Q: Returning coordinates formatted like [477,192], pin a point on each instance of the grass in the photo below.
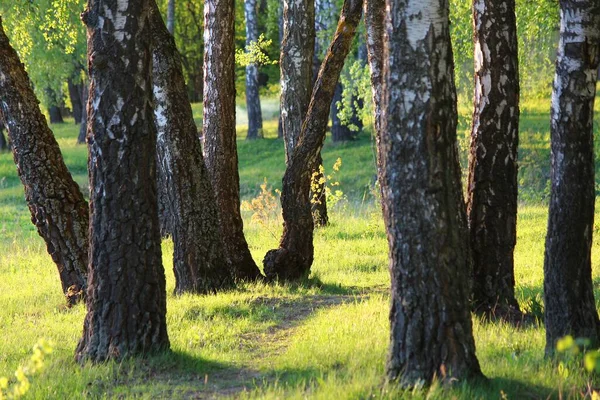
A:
[325,338]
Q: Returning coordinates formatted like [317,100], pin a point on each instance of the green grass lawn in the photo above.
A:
[326,338]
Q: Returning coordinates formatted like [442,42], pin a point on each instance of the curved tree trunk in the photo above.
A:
[57,206]
[294,257]
[492,190]
[219,132]
[424,212]
[374,25]
[297,50]
[199,259]
[255,122]
[568,289]
[84,114]
[126,297]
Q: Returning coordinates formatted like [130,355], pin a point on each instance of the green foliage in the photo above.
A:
[255,53]
[357,96]
[50,40]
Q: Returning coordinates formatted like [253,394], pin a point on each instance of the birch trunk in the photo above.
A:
[255,123]
[199,260]
[58,209]
[492,190]
[294,257]
[424,213]
[126,298]
[219,132]
[568,288]
[297,50]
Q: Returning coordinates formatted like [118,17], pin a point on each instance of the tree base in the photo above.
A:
[284,265]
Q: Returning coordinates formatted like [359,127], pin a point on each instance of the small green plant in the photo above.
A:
[255,53]
[331,194]
[16,387]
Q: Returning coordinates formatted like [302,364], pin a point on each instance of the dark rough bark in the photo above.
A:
[568,289]
[492,190]
[57,206]
[219,132]
[255,122]
[294,257]
[126,296]
[339,132]
[425,218]
[84,114]
[171,16]
[297,51]
[76,100]
[199,260]
[374,25]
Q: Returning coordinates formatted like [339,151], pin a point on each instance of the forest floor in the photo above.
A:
[324,338]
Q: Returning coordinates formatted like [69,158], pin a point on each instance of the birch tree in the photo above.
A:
[294,257]
[492,188]
[126,298]
[58,209]
[431,332]
[255,123]
[218,128]
[570,308]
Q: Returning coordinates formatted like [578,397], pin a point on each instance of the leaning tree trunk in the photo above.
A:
[219,132]
[84,122]
[424,212]
[199,259]
[294,257]
[126,296]
[297,50]
[374,26]
[255,122]
[492,188]
[76,100]
[57,206]
[568,289]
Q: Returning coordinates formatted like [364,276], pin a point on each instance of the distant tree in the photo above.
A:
[294,257]
[570,308]
[374,25]
[171,16]
[75,88]
[3,141]
[492,188]
[199,259]
[126,298]
[57,206]
[255,123]
[218,128]
[424,212]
